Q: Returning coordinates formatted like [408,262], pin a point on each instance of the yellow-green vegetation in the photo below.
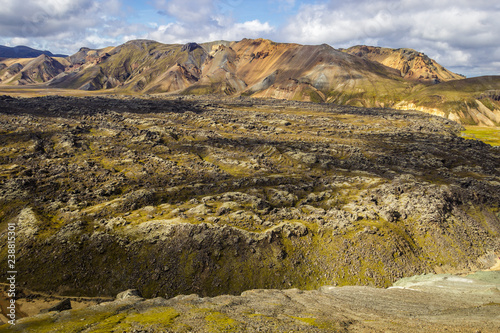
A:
[184,195]
[158,318]
[458,97]
[97,321]
[219,322]
[315,97]
[74,322]
[489,135]
[318,323]
[492,304]
[201,90]
[458,89]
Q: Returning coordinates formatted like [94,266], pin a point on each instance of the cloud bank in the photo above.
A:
[205,20]
[461,35]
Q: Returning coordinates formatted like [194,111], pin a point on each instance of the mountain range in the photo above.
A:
[24,52]
[360,76]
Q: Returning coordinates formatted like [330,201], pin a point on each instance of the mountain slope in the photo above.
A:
[24,52]
[38,70]
[360,76]
[413,65]
[252,67]
[473,101]
[304,72]
[135,66]
[41,69]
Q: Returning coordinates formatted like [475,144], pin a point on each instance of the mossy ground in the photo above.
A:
[146,190]
[489,135]
[96,321]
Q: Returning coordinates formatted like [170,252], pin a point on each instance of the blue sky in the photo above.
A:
[462,35]
[242,11]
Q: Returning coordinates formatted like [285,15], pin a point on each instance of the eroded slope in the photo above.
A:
[359,76]
[215,197]
[413,65]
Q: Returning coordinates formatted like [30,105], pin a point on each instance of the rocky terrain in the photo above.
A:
[412,64]
[217,196]
[359,76]
[430,303]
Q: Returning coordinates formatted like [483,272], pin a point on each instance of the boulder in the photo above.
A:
[129,294]
[61,306]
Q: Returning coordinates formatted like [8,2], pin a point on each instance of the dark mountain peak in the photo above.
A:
[22,51]
[190,47]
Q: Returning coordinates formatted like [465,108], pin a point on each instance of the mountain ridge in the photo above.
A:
[22,51]
[360,76]
[413,65]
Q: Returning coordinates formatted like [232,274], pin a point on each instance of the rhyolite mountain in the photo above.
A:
[412,64]
[360,76]
[182,195]
[38,70]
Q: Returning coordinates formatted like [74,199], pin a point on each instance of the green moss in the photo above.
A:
[200,90]
[162,317]
[479,215]
[86,320]
[315,97]
[219,322]
[110,324]
[234,170]
[318,323]
[489,135]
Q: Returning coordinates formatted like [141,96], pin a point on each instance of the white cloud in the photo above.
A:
[455,32]
[187,10]
[61,25]
[204,20]
[460,34]
[96,39]
[18,41]
[237,31]
[35,18]
[220,30]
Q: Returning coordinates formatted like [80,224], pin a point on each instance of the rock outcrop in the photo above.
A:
[413,65]
[431,303]
[195,195]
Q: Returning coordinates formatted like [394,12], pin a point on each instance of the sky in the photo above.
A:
[462,35]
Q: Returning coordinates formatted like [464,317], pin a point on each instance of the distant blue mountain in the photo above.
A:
[24,52]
